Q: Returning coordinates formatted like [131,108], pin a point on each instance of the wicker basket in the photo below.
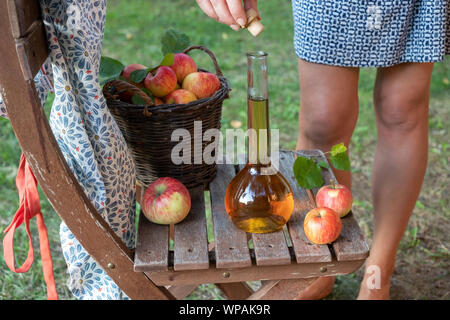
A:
[147,129]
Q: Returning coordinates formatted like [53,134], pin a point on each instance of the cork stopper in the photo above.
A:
[253,25]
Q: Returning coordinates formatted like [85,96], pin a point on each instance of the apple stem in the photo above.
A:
[333,185]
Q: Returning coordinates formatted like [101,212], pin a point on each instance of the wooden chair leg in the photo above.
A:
[281,289]
[235,290]
[181,292]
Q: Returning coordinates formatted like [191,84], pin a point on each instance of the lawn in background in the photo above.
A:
[132,35]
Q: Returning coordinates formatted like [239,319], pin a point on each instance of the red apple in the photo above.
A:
[180,96]
[126,72]
[183,65]
[158,101]
[337,197]
[322,225]
[166,201]
[162,82]
[202,84]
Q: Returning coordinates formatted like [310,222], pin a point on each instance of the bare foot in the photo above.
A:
[319,289]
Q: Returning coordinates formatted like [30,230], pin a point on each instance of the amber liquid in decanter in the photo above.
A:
[259,199]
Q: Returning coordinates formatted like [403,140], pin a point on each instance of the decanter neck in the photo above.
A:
[258,148]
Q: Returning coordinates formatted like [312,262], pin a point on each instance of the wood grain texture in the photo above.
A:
[190,238]
[235,290]
[266,286]
[305,251]
[231,247]
[23,13]
[181,292]
[281,289]
[63,191]
[270,248]
[152,247]
[254,273]
[351,244]
[32,50]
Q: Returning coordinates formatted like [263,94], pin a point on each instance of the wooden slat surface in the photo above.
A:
[305,251]
[190,238]
[230,243]
[152,248]
[23,13]
[32,50]
[231,246]
[351,244]
[270,248]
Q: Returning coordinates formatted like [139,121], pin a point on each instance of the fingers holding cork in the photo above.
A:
[254,26]
[233,13]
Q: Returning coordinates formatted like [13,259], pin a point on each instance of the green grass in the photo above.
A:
[132,35]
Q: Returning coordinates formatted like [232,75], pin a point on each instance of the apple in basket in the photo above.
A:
[180,96]
[202,84]
[166,201]
[157,101]
[183,65]
[126,73]
[162,82]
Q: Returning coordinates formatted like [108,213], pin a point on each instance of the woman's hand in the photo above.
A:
[229,12]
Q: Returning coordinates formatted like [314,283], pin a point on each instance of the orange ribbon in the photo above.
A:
[29,207]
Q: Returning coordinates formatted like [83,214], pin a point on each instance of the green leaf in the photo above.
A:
[138,75]
[340,161]
[137,99]
[323,164]
[174,41]
[307,173]
[109,69]
[339,148]
[167,60]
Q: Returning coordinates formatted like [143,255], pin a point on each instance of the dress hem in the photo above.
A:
[379,65]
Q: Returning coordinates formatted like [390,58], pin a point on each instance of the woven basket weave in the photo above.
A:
[148,129]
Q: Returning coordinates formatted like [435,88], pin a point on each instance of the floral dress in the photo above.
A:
[87,134]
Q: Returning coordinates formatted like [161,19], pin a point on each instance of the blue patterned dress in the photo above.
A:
[371,33]
[87,134]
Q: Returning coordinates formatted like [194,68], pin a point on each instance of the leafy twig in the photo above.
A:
[309,173]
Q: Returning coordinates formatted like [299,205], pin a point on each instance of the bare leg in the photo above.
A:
[401,98]
[328,115]
[328,108]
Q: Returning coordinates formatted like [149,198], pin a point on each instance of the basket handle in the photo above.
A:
[121,85]
[209,52]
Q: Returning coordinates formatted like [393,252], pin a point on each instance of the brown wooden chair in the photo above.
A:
[286,261]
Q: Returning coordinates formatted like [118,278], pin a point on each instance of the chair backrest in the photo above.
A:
[23,51]
[29,34]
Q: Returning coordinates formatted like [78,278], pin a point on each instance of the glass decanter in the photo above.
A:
[258,199]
